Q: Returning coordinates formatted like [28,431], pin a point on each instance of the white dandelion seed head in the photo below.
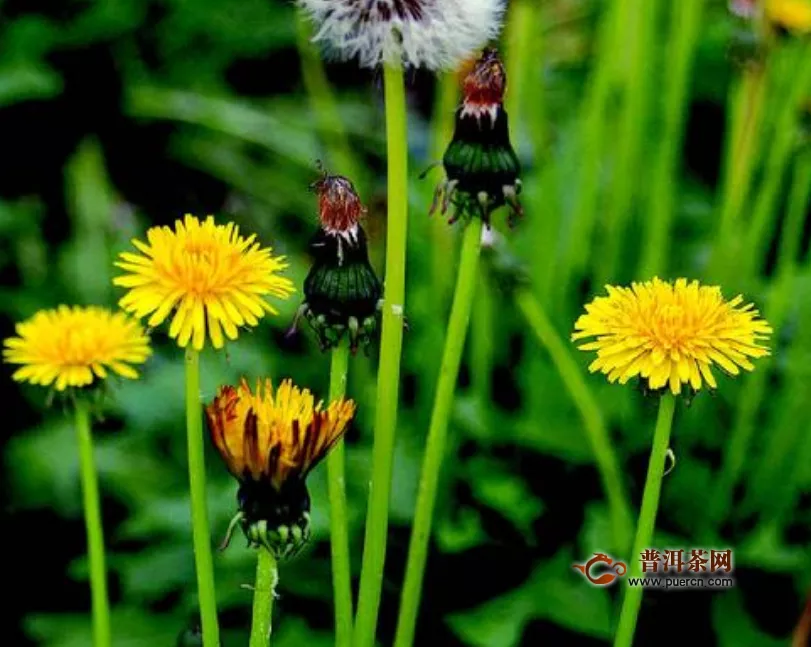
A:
[436,34]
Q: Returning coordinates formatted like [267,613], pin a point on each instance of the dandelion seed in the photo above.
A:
[436,34]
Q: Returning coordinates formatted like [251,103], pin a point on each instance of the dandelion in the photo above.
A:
[73,349]
[208,277]
[436,34]
[74,346]
[791,15]
[671,334]
[342,292]
[270,441]
[480,164]
[211,281]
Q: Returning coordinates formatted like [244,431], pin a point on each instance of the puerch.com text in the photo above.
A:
[669,569]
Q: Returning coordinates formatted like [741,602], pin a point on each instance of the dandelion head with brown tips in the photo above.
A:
[270,440]
[76,347]
[671,335]
[208,278]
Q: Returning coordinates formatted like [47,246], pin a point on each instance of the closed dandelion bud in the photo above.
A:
[480,164]
[434,34]
[342,292]
[270,441]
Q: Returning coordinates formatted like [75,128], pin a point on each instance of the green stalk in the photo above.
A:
[741,153]
[754,392]
[589,409]
[95,533]
[437,432]
[339,526]
[388,376]
[442,125]
[758,235]
[632,600]
[685,23]
[591,148]
[267,577]
[782,438]
[199,509]
[629,175]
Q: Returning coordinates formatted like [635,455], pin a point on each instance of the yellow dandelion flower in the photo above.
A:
[74,346]
[671,334]
[274,437]
[793,15]
[213,279]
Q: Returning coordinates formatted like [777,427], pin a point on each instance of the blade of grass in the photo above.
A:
[685,21]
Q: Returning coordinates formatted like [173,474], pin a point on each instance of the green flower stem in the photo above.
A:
[632,600]
[437,431]
[797,86]
[388,377]
[95,534]
[267,577]
[741,152]
[591,147]
[640,18]
[781,444]
[442,125]
[685,22]
[199,510]
[339,527]
[593,422]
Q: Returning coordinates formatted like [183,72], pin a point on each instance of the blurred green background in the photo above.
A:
[118,116]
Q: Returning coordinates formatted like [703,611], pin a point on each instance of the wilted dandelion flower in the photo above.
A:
[209,277]
[75,346]
[436,34]
[270,441]
[342,292]
[480,164]
[671,334]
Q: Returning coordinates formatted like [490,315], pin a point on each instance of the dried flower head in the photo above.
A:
[671,334]
[436,34]
[481,167]
[339,206]
[213,279]
[76,346]
[342,292]
[270,441]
